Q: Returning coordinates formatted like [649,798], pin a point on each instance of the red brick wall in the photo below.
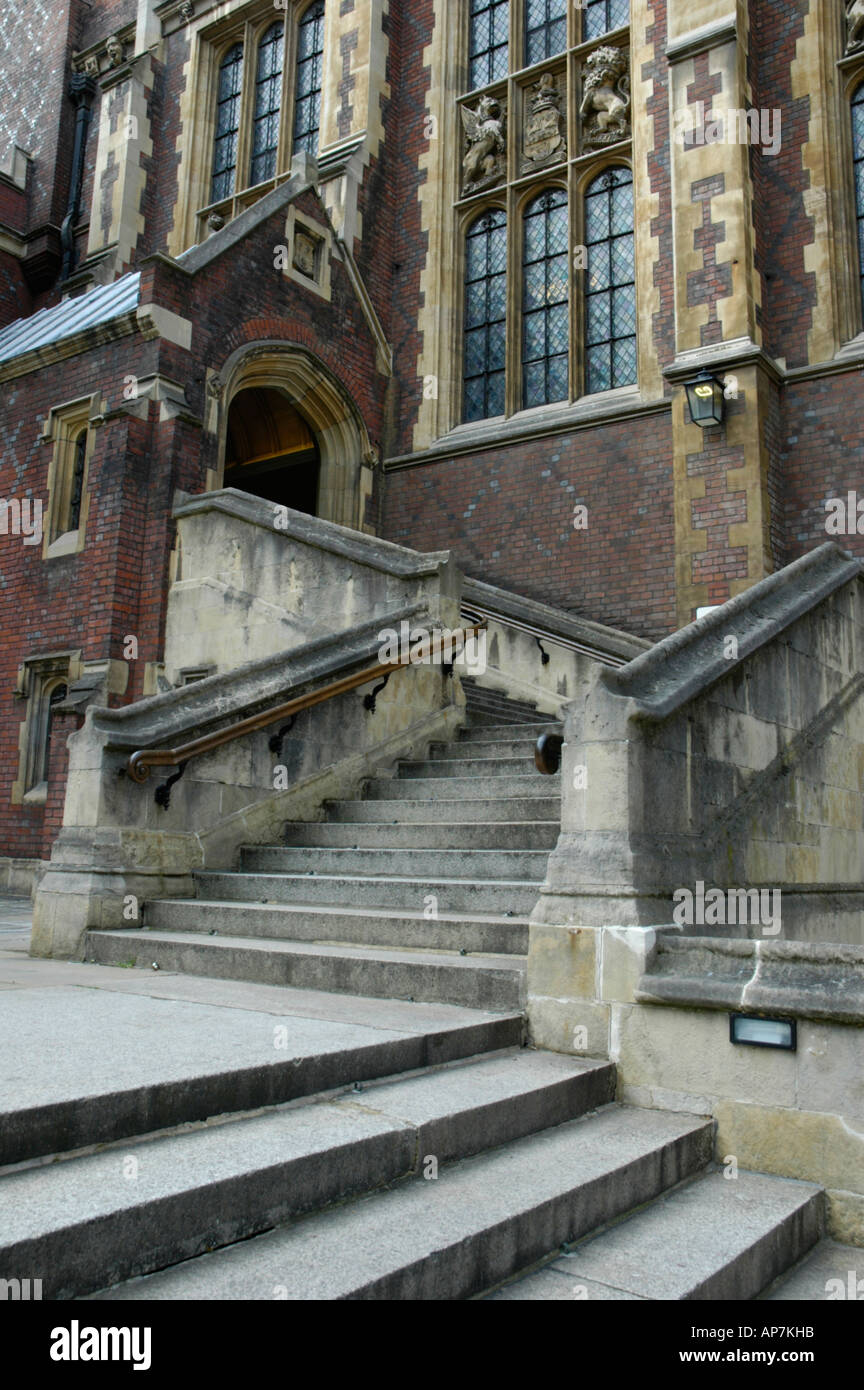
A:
[823,456]
[507,516]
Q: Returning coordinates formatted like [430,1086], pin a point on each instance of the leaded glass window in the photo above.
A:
[610,295]
[310,69]
[268,102]
[77,482]
[545,300]
[489,41]
[485,316]
[858,158]
[227,123]
[545,29]
[56,697]
[602,16]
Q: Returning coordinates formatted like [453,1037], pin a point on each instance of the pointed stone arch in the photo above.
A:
[347,457]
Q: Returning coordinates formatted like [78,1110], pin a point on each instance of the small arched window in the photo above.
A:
[545,29]
[485,316]
[228,94]
[610,294]
[858,168]
[309,79]
[489,41]
[77,482]
[268,102]
[53,697]
[545,300]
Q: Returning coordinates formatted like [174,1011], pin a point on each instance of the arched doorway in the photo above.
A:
[270,451]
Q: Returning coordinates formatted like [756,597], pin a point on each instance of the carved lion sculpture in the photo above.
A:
[485,131]
[606,102]
[855,24]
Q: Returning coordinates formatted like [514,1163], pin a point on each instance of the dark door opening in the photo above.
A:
[270,450]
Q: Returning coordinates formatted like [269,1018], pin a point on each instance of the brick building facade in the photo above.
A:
[356,241]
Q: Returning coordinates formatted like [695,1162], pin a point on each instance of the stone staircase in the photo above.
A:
[422,890]
[460,1164]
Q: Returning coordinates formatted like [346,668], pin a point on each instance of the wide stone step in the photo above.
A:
[503,835]
[469,767]
[102,1217]
[179,1055]
[456,1235]
[828,1273]
[478,865]
[503,733]
[711,1239]
[491,750]
[473,934]
[495,897]
[484,810]
[483,786]
[494,982]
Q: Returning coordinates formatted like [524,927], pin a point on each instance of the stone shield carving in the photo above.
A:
[544,139]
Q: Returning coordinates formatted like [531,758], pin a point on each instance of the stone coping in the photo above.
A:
[793,979]
[688,662]
[249,688]
[607,640]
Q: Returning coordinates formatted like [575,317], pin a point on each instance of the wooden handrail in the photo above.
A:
[140,763]
[477,610]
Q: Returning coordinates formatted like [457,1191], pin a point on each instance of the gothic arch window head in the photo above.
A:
[268,104]
[228,94]
[858,172]
[610,294]
[310,78]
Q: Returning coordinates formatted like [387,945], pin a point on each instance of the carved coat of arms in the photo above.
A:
[544,139]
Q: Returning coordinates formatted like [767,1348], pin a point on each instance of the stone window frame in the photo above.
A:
[62,428]
[851,287]
[38,677]
[247,24]
[442,407]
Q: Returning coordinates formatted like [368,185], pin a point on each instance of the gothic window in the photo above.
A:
[610,293]
[545,300]
[602,16]
[858,164]
[545,209]
[485,316]
[489,41]
[310,69]
[545,29]
[268,102]
[52,697]
[77,482]
[227,123]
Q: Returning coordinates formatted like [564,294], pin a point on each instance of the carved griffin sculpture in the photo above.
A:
[854,24]
[484,161]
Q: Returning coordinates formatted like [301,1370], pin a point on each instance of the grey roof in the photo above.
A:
[100,305]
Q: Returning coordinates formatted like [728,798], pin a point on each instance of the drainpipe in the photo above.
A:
[81,91]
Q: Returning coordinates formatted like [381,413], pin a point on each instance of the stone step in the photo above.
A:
[710,1239]
[473,934]
[490,749]
[461,1233]
[211,1047]
[481,865]
[410,895]
[503,733]
[484,701]
[97,1218]
[483,810]
[828,1273]
[468,767]
[517,836]
[493,982]
[481,787]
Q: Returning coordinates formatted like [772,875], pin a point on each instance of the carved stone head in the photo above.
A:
[114,49]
